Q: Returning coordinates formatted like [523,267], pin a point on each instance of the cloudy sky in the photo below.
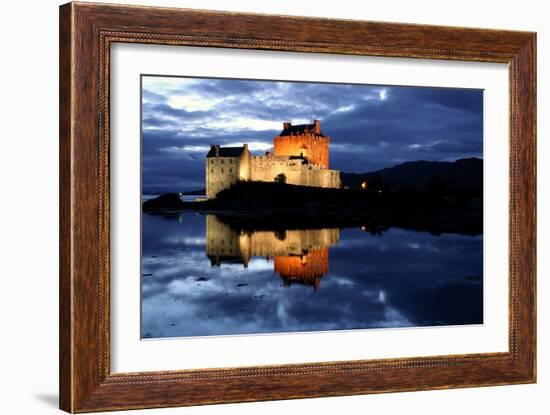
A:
[370,126]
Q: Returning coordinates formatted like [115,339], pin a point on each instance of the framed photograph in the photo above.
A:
[259,207]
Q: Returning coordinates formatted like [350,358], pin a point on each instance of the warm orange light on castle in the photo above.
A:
[306,269]
[300,157]
[303,140]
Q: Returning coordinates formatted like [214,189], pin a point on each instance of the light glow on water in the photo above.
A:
[198,278]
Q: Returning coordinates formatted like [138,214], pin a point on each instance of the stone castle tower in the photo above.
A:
[300,157]
[304,140]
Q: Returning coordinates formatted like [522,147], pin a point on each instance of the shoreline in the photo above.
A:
[253,206]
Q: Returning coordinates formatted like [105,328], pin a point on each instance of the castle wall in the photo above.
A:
[310,145]
[266,169]
[290,242]
[244,166]
[325,178]
[299,255]
[222,241]
[222,172]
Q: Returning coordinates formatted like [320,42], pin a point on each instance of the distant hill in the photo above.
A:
[462,174]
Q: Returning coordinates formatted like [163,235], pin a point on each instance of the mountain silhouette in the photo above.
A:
[462,174]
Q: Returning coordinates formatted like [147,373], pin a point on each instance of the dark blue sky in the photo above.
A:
[370,126]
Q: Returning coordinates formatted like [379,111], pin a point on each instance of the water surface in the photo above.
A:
[201,277]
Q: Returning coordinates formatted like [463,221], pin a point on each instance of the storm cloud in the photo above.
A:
[370,126]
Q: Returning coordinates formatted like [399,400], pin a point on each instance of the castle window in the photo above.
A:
[211,170]
[231,160]
[222,170]
[222,161]
[230,170]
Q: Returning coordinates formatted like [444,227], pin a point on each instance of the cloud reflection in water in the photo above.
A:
[258,283]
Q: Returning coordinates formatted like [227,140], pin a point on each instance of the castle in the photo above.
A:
[299,256]
[300,157]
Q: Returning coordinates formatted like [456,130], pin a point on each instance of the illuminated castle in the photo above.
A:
[300,157]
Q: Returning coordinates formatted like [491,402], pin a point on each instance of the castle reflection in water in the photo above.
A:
[299,256]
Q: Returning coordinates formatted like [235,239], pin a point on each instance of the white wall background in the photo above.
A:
[29,207]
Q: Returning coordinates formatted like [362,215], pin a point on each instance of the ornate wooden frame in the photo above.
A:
[86,33]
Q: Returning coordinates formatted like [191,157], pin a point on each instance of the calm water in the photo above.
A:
[201,277]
